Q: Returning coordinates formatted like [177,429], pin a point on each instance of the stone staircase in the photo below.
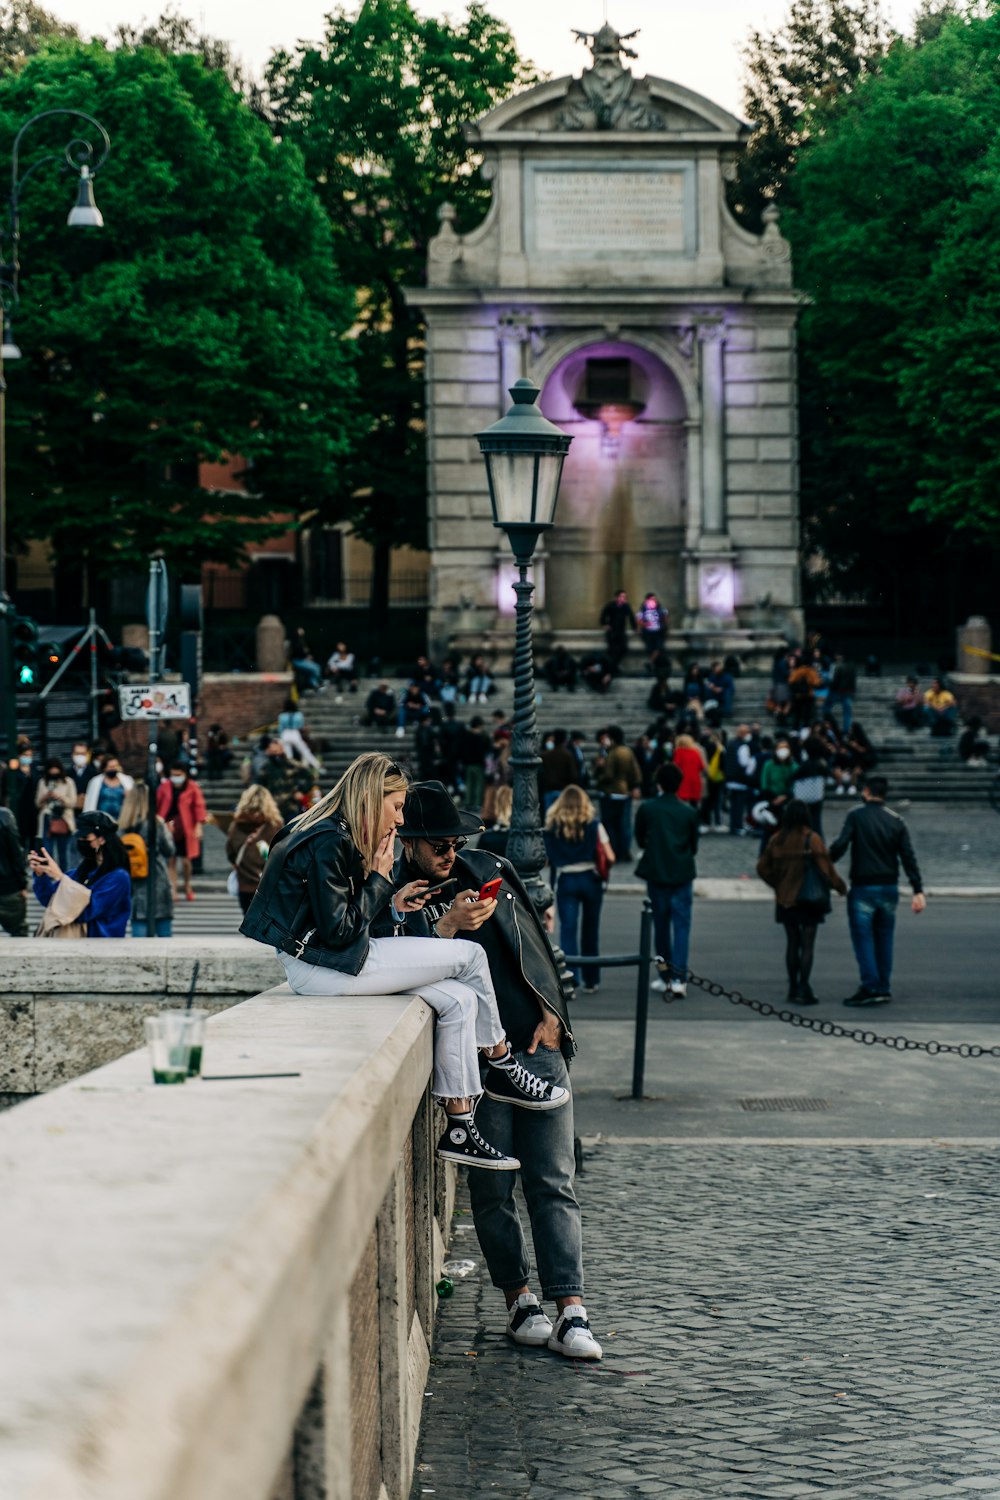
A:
[920,769]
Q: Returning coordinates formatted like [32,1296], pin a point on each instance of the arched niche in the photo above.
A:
[622,508]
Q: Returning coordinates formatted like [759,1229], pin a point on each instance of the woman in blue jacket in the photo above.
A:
[103,869]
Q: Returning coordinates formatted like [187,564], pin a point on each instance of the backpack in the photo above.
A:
[138,855]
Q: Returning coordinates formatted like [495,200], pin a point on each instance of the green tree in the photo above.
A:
[378,109]
[204,319]
[26,28]
[820,53]
[893,216]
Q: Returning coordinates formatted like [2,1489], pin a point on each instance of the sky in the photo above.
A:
[693,42]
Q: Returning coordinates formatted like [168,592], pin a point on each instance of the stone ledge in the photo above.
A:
[176,1258]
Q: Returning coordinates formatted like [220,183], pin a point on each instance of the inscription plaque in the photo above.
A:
[600,213]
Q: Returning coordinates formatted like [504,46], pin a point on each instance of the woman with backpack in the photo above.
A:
[133,830]
[799,870]
[256,821]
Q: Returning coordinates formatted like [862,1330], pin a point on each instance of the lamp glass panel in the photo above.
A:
[525,487]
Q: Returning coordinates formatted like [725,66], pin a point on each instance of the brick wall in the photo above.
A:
[982,698]
[240,701]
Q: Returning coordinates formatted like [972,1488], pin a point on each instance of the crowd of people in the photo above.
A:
[78,834]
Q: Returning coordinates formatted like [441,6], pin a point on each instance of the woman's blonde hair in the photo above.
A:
[257,799]
[358,798]
[503,806]
[570,814]
[685,742]
[135,807]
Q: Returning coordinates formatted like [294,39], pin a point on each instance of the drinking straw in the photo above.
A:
[225,1077]
[194,981]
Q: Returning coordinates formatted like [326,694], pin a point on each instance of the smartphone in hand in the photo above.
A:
[446,890]
[491,889]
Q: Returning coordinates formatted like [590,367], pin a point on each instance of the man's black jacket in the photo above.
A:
[515,942]
[878,839]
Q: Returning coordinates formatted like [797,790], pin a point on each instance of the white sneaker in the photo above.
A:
[527,1323]
[678,988]
[572,1336]
[400,732]
[659,985]
[852,791]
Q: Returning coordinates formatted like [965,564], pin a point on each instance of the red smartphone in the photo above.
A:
[491,889]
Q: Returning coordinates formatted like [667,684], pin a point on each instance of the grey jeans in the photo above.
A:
[542,1140]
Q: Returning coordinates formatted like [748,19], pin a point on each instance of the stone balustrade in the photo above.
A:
[69,1006]
[225,1290]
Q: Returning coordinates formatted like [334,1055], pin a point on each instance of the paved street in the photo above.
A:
[777,1322]
[790,1246]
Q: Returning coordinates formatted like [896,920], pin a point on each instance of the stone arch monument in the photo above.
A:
[662,335]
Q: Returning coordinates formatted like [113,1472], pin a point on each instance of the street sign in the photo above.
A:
[156,700]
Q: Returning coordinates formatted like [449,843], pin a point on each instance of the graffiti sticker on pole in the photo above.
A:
[158,700]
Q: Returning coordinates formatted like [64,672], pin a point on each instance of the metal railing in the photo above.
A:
[640,961]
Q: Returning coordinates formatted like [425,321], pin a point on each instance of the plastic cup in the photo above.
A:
[196,1038]
[169,1047]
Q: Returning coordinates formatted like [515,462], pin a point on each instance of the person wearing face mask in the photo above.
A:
[102,871]
[779,773]
[55,798]
[20,781]
[81,772]
[106,792]
[179,802]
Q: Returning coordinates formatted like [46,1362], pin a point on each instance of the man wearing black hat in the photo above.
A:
[533,1010]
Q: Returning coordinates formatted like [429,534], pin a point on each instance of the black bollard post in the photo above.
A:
[642,999]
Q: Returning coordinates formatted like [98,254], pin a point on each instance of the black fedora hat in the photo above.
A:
[429,813]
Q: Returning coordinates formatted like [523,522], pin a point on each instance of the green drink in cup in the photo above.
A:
[169,1047]
[194,1031]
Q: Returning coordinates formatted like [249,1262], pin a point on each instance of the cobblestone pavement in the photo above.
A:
[777,1322]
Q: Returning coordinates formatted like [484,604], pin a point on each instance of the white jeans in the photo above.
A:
[452,975]
[293,742]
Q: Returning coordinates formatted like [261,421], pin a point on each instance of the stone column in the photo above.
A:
[977,661]
[713,436]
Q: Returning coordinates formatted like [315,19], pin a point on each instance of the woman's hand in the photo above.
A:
[410,897]
[385,855]
[42,863]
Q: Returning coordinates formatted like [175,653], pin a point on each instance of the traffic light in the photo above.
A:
[27,674]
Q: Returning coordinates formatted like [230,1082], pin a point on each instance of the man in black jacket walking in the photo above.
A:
[536,1020]
[878,840]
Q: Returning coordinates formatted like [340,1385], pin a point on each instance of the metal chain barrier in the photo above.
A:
[825,1028]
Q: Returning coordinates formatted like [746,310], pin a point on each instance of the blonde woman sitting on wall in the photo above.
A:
[326,881]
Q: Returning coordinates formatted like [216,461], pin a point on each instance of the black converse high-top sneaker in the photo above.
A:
[462,1143]
[511,1083]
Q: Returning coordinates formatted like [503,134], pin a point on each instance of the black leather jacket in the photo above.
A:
[519,943]
[314,900]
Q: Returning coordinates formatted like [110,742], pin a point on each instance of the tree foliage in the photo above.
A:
[26,29]
[205,319]
[820,53]
[378,109]
[894,217]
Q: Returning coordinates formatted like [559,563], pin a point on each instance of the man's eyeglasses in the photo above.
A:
[452,846]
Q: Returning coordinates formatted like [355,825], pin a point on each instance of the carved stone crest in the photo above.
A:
[606,96]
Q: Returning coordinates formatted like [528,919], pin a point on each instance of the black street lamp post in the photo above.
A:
[77,156]
[524,454]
